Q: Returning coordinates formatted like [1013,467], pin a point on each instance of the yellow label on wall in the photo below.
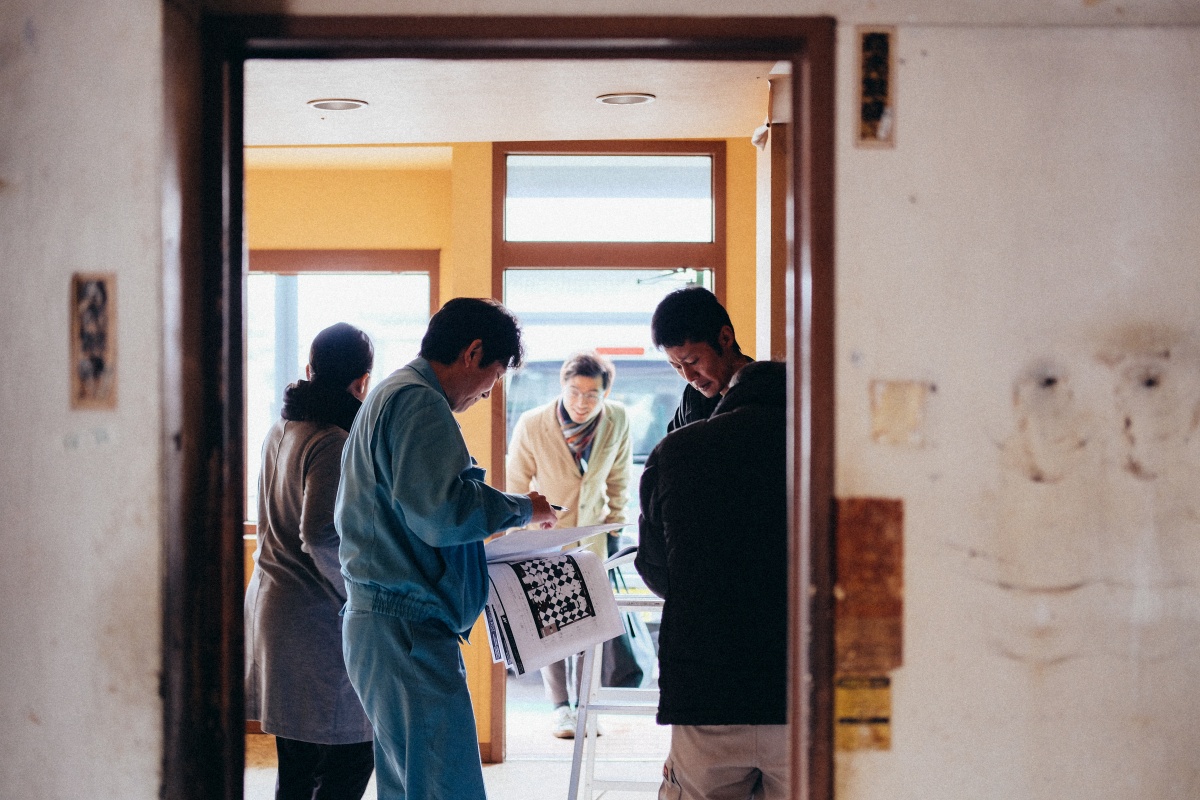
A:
[862,708]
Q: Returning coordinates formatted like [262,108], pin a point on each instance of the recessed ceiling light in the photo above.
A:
[625,98]
[337,104]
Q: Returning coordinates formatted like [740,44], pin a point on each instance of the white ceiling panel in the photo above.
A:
[426,101]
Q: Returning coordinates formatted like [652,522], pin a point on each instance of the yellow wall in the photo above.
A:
[467,272]
[294,209]
[741,197]
[467,262]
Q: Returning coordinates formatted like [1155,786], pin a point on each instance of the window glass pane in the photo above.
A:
[285,312]
[557,198]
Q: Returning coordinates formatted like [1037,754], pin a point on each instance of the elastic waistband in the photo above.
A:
[361,597]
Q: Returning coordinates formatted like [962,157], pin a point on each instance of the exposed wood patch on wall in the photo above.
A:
[862,708]
[869,619]
[870,585]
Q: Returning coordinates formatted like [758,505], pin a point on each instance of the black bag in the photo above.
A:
[627,661]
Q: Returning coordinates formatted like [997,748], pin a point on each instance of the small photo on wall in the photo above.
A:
[93,316]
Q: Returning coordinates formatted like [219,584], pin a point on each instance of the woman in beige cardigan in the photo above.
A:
[577,451]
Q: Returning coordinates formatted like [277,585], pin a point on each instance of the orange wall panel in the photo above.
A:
[296,209]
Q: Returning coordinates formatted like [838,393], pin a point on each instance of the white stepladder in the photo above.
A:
[595,700]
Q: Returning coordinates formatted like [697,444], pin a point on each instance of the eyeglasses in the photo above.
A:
[571,393]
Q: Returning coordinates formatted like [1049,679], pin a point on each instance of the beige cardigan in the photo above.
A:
[538,459]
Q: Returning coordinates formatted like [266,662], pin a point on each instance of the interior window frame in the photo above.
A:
[649,256]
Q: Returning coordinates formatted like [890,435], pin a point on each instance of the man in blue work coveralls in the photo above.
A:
[413,511]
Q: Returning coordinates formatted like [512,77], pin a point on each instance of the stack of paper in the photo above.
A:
[543,604]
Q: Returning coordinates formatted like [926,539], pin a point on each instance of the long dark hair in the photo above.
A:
[339,354]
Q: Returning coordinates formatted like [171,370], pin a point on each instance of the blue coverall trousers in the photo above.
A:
[413,686]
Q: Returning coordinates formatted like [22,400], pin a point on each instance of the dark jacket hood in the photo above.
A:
[759,383]
[308,401]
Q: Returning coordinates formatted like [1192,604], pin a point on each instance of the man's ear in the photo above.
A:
[726,337]
[473,354]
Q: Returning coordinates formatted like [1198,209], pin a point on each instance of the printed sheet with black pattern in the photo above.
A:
[544,606]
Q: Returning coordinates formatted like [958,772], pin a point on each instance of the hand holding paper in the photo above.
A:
[543,512]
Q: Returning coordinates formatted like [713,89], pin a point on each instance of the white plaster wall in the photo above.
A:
[80,142]
[1031,249]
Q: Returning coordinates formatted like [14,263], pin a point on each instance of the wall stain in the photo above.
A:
[1097,539]
[1052,428]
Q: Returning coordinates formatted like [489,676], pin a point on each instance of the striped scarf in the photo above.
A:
[579,435]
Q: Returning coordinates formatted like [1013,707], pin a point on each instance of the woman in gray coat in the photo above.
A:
[296,682]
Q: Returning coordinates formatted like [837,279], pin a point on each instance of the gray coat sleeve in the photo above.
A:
[318,537]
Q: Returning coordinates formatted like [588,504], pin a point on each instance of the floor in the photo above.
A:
[537,764]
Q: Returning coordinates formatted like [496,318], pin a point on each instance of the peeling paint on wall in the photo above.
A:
[898,411]
[1088,569]
[862,710]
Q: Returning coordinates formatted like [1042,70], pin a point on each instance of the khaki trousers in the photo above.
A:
[726,762]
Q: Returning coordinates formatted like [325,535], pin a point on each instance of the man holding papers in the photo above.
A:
[713,545]
[413,511]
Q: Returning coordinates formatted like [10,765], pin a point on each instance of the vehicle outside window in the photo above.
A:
[649,390]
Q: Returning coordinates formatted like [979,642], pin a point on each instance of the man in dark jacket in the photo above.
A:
[714,547]
[694,331]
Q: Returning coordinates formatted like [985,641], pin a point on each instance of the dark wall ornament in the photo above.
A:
[876,87]
[93,319]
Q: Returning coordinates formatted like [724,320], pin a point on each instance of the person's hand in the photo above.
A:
[543,515]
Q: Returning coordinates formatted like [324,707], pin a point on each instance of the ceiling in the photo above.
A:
[424,102]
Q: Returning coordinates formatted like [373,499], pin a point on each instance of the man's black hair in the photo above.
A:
[465,319]
[691,314]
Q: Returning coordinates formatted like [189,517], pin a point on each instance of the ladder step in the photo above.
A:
[631,697]
[625,786]
[627,602]
[647,711]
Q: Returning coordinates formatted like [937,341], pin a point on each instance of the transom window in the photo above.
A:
[609,198]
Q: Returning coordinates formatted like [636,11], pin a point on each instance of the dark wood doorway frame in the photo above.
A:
[203,319]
